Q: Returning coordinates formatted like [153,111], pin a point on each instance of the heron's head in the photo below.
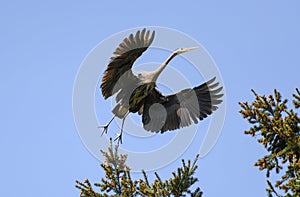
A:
[183,50]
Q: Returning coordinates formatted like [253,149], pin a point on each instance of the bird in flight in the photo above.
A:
[139,93]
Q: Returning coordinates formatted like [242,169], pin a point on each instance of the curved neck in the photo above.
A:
[158,71]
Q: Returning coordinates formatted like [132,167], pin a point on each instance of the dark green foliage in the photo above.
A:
[278,129]
[118,182]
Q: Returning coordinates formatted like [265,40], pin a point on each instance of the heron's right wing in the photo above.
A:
[118,73]
[163,113]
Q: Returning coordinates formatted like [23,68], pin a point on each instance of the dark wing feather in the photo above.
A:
[163,113]
[120,65]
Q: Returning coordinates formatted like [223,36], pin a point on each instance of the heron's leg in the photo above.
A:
[119,137]
[105,127]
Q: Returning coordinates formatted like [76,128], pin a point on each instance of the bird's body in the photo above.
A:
[138,93]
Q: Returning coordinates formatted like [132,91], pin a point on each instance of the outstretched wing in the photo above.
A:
[163,113]
[120,65]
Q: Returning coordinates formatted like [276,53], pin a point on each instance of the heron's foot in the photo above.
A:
[105,129]
[119,138]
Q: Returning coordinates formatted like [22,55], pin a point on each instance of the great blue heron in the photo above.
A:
[138,93]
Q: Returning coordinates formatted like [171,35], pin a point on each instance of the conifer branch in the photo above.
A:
[279,131]
[118,182]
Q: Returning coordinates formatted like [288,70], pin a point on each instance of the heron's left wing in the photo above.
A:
[118,73]
[163,113]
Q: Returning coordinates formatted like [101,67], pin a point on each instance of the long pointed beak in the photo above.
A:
[183,50]
[191,48]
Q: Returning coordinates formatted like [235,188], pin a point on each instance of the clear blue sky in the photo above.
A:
[255,45]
